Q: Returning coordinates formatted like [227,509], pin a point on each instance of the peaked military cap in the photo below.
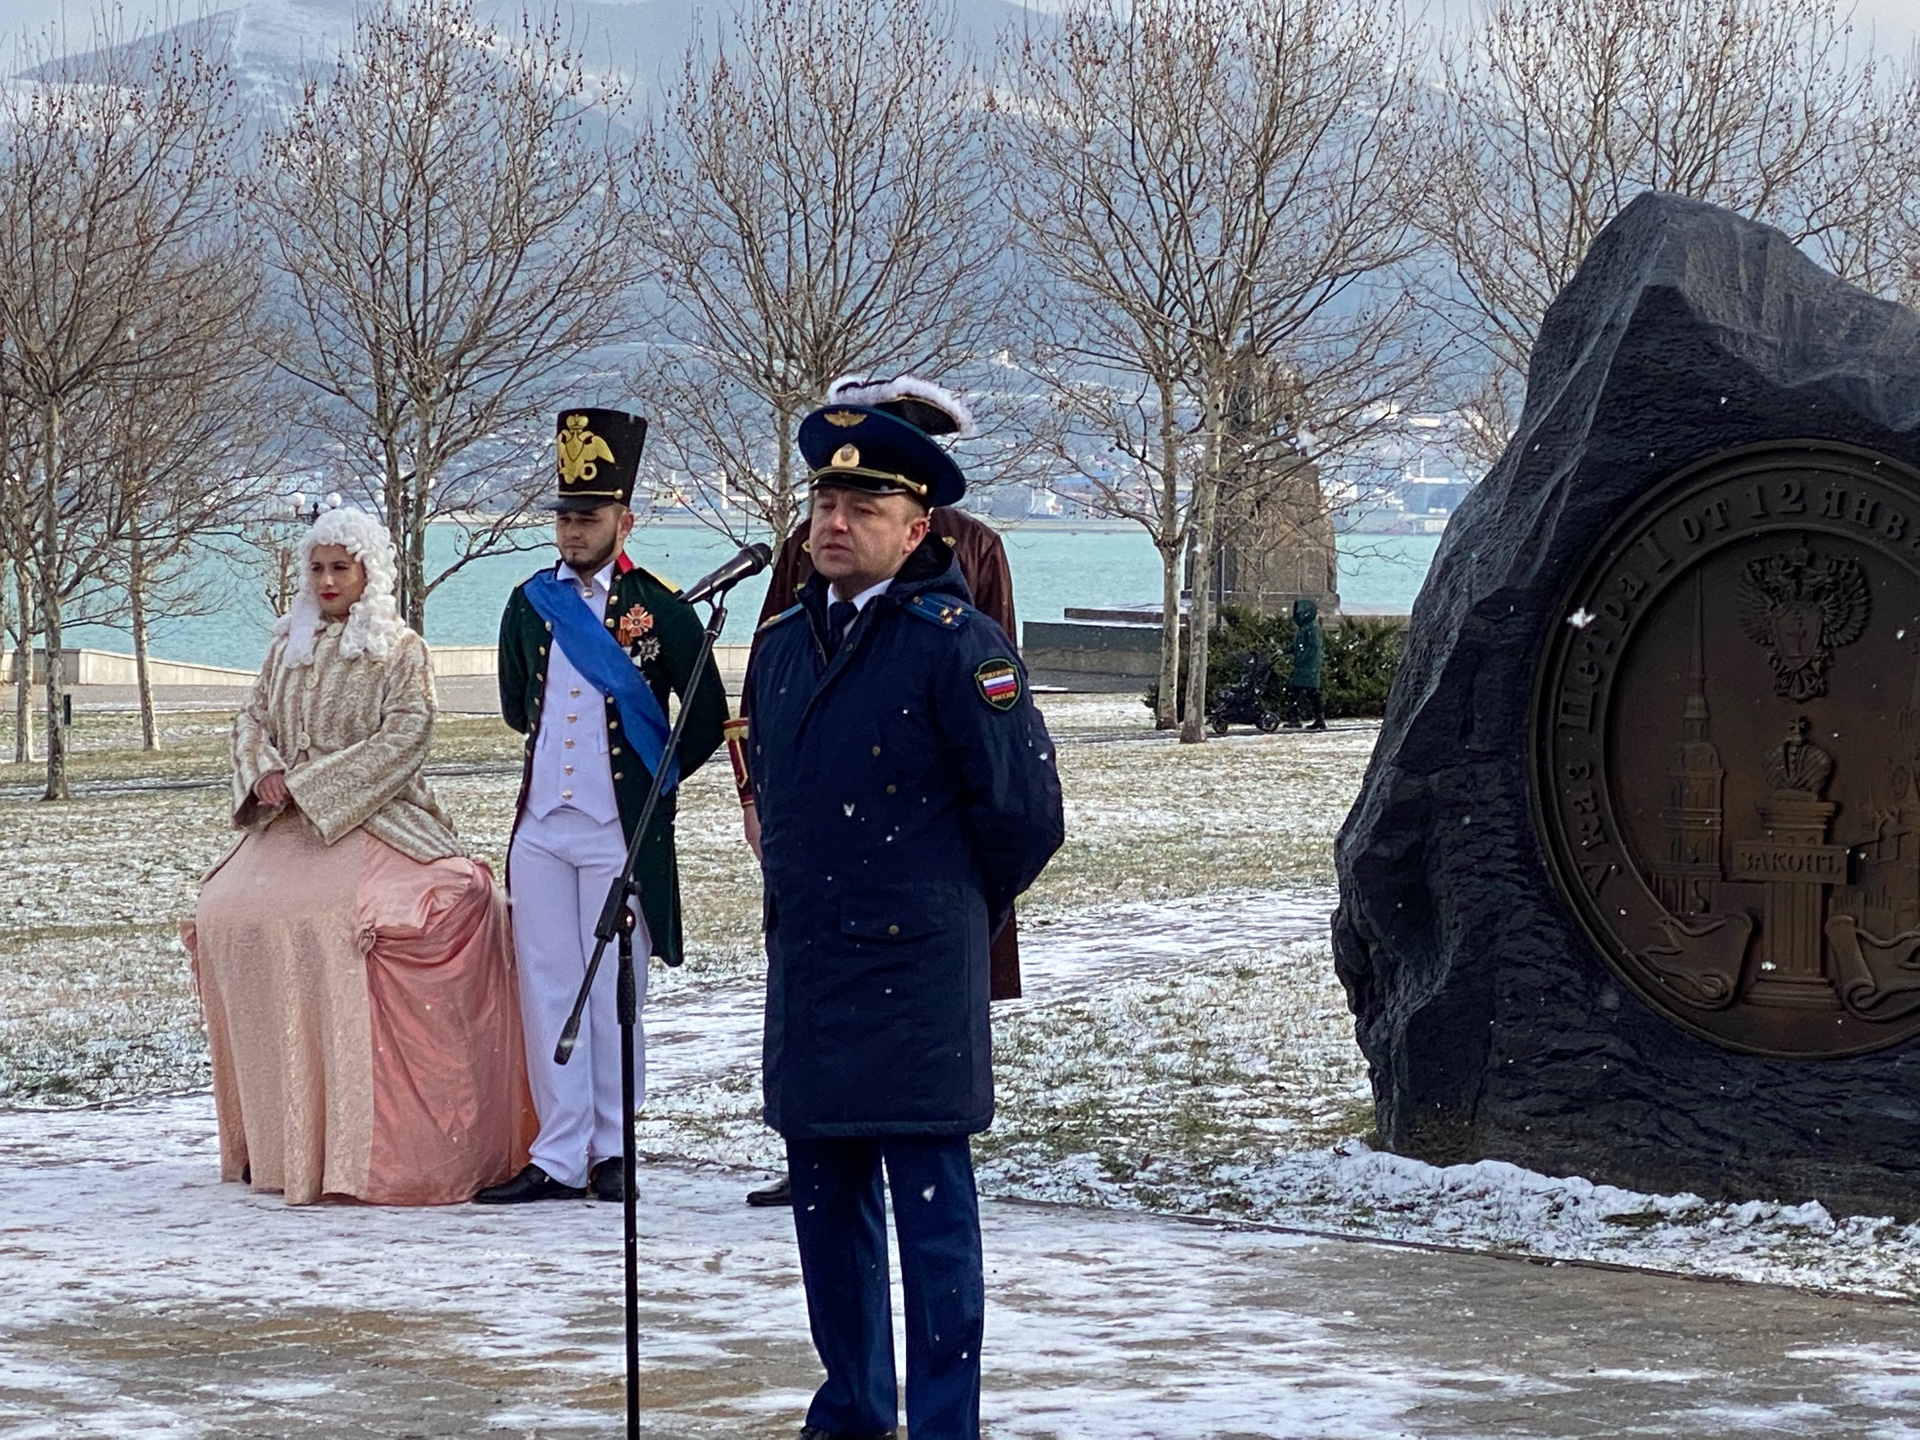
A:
[877,436]
[597,453]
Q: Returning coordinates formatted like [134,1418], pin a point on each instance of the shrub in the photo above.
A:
[1362,655]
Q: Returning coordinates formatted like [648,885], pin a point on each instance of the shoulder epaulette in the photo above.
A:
[773,620]
[949,612]
[660,580]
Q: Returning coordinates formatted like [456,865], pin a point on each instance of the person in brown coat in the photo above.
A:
[983,565]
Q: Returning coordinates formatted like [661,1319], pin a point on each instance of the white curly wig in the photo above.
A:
[373,624]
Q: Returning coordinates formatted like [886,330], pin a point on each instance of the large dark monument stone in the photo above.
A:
[1633,887]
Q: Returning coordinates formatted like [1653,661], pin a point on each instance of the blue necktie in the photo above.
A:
[840,615]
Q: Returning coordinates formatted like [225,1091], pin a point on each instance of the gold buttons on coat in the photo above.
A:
[543,649]
[566,794]
[574,691]
[568,769]
[613,724]
[892,788]
[569,744]
[893,929]
[616,749]
[572,718]
[618,776]
[876,749]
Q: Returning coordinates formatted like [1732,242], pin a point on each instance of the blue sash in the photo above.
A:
[598,656]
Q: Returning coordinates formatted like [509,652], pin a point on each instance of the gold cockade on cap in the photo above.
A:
[847,457]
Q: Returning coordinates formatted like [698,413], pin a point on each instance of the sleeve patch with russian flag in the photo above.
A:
[999,682]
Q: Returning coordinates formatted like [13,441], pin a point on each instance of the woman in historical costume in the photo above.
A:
[354,966]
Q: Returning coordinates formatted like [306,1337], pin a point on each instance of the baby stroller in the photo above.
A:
[1244,702]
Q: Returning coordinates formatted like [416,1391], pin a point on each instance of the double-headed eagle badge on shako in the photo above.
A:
[580,450]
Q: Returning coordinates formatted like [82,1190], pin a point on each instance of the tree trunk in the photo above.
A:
[416,560]
[285,582]
[1206,487]
[137,597]
[50,609]
[784,513]
[1166,710]
[413,553]
[1166,707]
[23,669]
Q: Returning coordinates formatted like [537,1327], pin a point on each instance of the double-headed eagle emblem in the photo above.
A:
[579,449]
[1802,609]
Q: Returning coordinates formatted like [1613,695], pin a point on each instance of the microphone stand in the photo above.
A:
[617,923]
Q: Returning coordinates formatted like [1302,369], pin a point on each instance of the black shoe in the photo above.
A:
[808,1432]
[778,1193]
[607,1180]
[1318,725]
[532,1183]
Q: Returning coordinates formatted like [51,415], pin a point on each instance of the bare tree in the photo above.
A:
[185,454]
[448,209]
[1873,171]
[1552,114]
[819,203]
[117,174]
[1216,191]
[21,623]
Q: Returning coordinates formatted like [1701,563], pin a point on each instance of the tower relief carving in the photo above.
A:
[1726,729]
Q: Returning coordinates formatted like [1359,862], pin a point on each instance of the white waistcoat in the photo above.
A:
[571,766]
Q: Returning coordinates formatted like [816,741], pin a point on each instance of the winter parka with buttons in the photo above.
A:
[907,795]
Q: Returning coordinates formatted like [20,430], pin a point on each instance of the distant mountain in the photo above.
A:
[273,40]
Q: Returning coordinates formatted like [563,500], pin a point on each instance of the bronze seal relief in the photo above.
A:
[1726,732]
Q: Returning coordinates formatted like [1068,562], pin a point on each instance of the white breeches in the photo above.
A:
[560,869]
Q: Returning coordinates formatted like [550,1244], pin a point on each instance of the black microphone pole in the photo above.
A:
[617,923]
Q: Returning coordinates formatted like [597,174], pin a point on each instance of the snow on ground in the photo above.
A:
[1183,1046]
[145,1299]
[529,1289]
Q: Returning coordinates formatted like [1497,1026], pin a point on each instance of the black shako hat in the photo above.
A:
[598,457]
[877,436]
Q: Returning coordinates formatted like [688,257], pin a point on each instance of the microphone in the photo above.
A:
[751,560]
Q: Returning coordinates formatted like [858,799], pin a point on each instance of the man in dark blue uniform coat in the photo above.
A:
[907,795]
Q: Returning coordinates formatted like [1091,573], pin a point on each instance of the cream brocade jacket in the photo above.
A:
[351,735]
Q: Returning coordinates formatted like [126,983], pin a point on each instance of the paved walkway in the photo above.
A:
[145,1299]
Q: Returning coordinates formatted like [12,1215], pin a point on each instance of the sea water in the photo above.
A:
[1055,565]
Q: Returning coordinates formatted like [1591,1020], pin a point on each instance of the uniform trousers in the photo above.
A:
[559,870]
[839,1216]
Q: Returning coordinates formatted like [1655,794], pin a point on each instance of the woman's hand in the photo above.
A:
[271,789]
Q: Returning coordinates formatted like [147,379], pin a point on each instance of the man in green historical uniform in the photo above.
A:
[589,651]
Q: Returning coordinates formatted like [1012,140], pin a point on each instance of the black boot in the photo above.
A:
[778,1193]
[607,1180]
[530,1184]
